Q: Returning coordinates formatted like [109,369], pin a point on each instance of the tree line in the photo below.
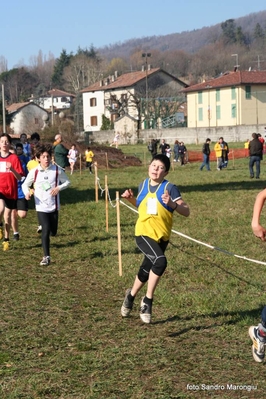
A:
[74,71]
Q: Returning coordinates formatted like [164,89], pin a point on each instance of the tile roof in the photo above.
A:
[237,78]
[16,106]
[125,80]
[59,93]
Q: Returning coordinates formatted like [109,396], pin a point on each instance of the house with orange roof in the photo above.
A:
[232,99]
[26,117]
[125,97]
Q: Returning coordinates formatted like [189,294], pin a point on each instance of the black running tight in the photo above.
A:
[49,222]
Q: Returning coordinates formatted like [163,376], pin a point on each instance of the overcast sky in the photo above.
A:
[31,25]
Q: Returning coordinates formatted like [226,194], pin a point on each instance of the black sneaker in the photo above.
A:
[127,305]
[16,236]
[145,311]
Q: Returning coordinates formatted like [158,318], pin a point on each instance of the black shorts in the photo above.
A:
[9,203]
[22,204]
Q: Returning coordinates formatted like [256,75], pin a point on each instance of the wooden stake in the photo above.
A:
[106,158]
[80,164]
[106,204]
[118,233]
[96,181]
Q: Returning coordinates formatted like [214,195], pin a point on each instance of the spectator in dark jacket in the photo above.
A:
[182,151]
[152,147]
[60,152]
[163,147]
[206,155]
[176,151]
[255,154]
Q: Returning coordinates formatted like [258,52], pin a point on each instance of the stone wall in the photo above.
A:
[187,135]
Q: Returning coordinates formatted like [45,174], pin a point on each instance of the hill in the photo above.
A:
[188,41]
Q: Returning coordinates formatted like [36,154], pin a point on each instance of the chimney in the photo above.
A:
[113,78]
[142,68]
[116,74]
[149,67]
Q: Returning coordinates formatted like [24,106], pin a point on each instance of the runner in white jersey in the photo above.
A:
[72,157]
[48,180]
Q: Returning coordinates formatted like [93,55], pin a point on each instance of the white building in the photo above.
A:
[59,99]
[117,96]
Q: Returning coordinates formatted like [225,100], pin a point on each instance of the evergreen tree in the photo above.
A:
[258,32]
[239,36]
[106,123]
[61,63]
[229,31]
[90,53]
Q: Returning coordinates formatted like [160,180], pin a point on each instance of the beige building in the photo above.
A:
[235,98]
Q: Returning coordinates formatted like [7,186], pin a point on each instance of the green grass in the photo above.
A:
[62,335]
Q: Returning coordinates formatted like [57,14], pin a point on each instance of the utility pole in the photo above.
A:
[146,55]
[259,61]
[236,66]
[3,108]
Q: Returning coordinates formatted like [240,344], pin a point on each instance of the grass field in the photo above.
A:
[62,335]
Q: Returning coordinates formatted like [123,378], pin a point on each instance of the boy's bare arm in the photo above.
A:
[258,230]
[180,206]
[129,195]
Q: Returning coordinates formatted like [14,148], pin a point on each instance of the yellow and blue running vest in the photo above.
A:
[156,226]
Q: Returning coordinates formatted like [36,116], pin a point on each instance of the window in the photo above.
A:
[200,114]
[218,112]
[123,97]
[233,93]
[217,95]
[248,92]
[94,121]
[200,97]
[233,110]
[93,102]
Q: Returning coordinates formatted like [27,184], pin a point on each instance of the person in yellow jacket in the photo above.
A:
[89,159]
[246,146]
[218,148]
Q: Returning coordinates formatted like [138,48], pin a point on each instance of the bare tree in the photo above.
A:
[3,64]
[42,66]
[81,72]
